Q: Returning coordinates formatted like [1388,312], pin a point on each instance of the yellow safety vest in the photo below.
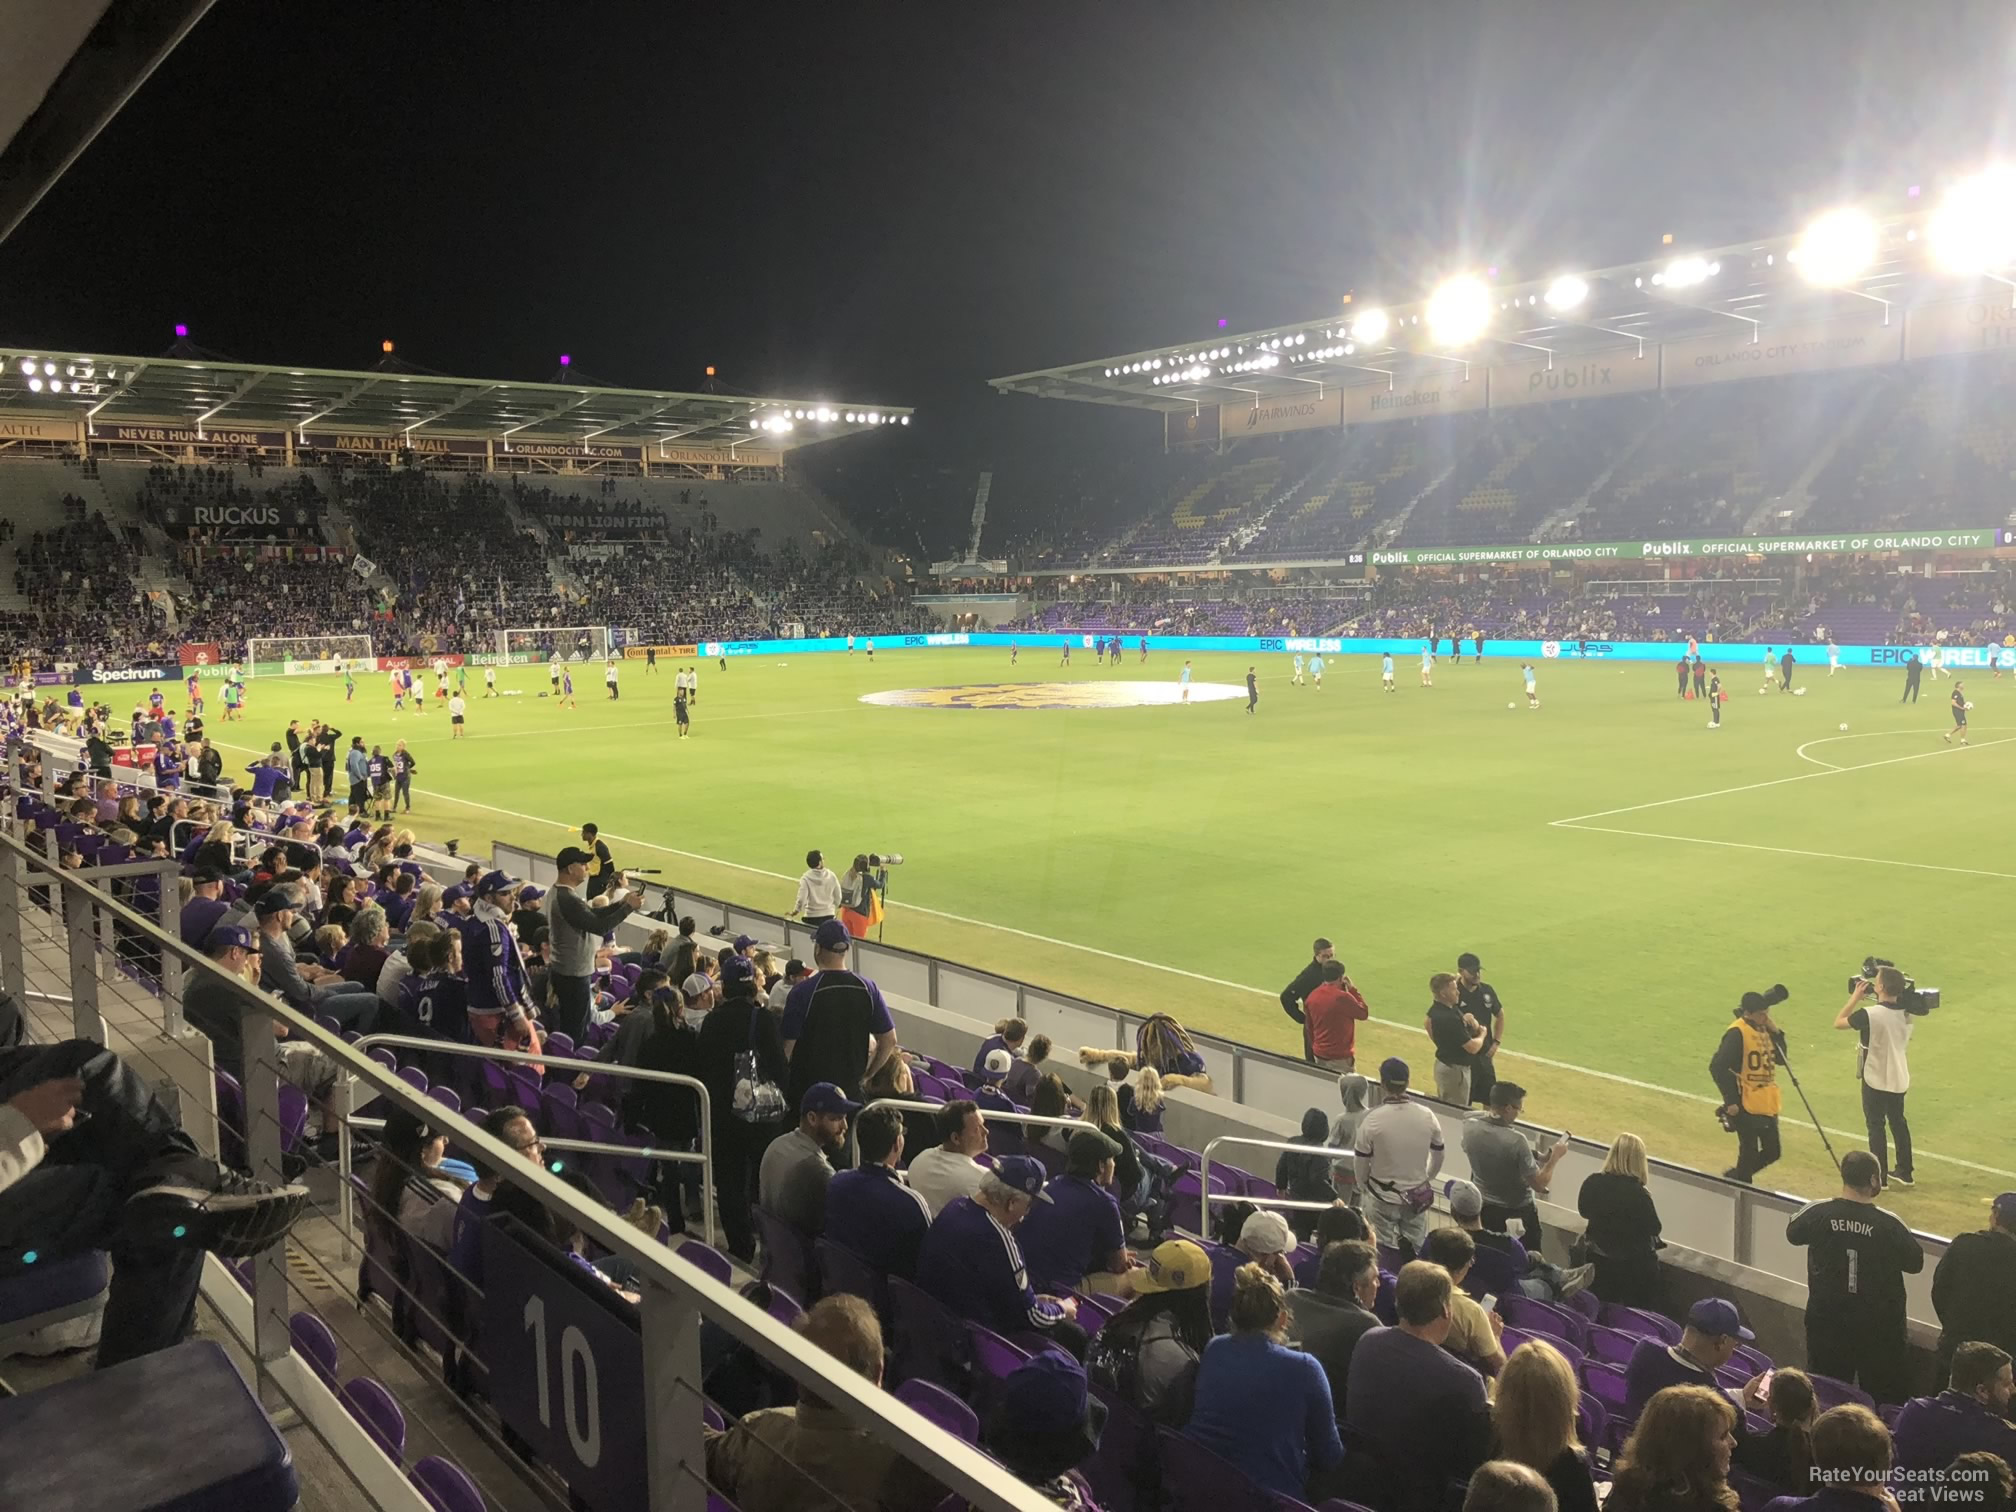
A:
[1757,1075]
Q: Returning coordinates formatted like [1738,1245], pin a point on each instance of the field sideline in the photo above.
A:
[1624,872]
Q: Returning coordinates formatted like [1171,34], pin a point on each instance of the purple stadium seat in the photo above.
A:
[994,1360]
[1305,1261]
[373,1406]
[1612,1345]
[710,1415]
[561,1045]
[1196,1480]
[1186,1205]
[1587,1303]
[708,1259]
[1753,1492]
[930,1344]
[842,1270]
[414,1077]
[1637,1320]
[1125,1475]
[1592,1426]
[315,1343]
[446,1097]
[941,1407]
[785,1253]
[1755,1361]
[1384,1304]
[1544,1317]
[50,1290]
[1606,1384]
[1830,1392]
[446,1487]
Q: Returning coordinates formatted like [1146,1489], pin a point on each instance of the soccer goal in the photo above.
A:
[298,655]
[538,643]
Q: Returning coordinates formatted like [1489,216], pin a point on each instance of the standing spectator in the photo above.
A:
[1784,1455]
[1307,980]
[1881,1011]
[1458,1039]
[357,767]
[1397,1156]
[818,899]
[1534,1418]
[1857,1257]
[1148,1351]
[1334,1314]
[1974,1286]
[949,1170]
[1480,1000]
[1503,1165]
[836,1027]
[1970,1415]
[1076,1240]
[1623,1225]
[798,1167]
[1352,1090]
[1417,1415]
[578,926]
[1261,1406]
[1677,1457]
[1306,1178]
[737,1025]
[872,1209]
[1333,1011]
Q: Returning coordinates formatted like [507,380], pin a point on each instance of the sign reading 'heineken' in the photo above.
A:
[1728,546]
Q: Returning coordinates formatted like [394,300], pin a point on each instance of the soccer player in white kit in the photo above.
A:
[1935,659]
[419,692]
[1297,678]
[1428,665]
[609,679]
[489,682]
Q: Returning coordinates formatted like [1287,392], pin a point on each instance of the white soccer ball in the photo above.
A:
[1798,692]
[1510,704]
[1970,703]
[1763,690]
[1844,729]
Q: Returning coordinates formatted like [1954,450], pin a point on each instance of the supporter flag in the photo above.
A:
[363,566]
[859,924]
[200,654]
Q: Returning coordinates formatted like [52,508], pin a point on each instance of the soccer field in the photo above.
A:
[1624,872]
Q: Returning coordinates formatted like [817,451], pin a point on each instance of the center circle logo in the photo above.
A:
[1053,695]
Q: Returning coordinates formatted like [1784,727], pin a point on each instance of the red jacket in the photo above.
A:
[1333,1011]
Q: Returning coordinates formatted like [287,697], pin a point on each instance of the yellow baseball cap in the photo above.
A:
[1174,1265]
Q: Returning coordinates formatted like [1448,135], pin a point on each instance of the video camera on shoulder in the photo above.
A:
[1913,998]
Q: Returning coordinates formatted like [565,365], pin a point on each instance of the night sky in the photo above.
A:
[893,202]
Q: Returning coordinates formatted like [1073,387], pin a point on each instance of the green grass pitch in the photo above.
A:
[1624,872]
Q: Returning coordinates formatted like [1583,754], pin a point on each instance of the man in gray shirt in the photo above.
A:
[1333,1315]
[578,927]
[1503,1165]
[796,1169]
[309,989]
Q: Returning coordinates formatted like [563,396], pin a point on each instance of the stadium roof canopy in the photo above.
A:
[189,389]
[1752,284]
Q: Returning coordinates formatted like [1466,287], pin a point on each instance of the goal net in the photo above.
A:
[540,643]
[298,655]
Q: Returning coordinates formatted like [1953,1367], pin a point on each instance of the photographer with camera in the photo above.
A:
[1745,1068]
[1882,1001]
[861,893]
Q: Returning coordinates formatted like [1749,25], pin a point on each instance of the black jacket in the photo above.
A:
[739,1024]
[1974,1290]
[1306,982]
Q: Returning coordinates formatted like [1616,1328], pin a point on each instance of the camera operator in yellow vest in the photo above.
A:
[1745,1069]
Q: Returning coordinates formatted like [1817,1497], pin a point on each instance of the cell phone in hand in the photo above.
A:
[1488,1302]
[1764,1386]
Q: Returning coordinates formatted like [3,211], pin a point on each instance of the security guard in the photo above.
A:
[1745,1069]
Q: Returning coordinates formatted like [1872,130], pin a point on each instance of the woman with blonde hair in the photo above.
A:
[1141,1104]
[1261,1405]
[1130,1174]
[426,904]
[1534,1416]
[1623,1233]
[1677,1457]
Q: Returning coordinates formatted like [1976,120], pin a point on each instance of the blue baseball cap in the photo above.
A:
[1393,1072]
[226,937]
[832,935]
[1718,1316]
[495,882]
[824,1097]
[735,968]
[1025,1174]
[458,891]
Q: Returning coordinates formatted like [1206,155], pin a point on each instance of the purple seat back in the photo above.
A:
[316,1344]
[786,1253]
[1606,1384]
[842,1270]
[1592,1425]
[1612,1345]
[1830,1392]
[1543,1317]
[708,1259]
[1637,1320]
[937,1405]
[445,1486]
[1196,1480]
[446,1097]
[1125,1475]
[372,1405]
[930,1343]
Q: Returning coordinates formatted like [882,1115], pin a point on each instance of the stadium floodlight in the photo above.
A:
[27,366]
[35,384]
[1371,326]
[49,370]
[1686,272]
[1836,247]
[906,419]
[1459,311]
[1974,229]
[1567,292]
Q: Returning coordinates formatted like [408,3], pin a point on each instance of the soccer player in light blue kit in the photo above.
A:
[1316,671]
[1298,669]
[1185,681]
[1386,670]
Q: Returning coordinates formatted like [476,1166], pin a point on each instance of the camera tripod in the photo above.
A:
[1793,1077]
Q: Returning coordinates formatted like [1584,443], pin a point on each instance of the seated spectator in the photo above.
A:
[409,1188]
[1051,1099]
[1623,1233]
[370,940]
[1504,1485]
[1007,1037]
[1261,1406]
[91,1159]
[948,1169]
[1851,1463]
[1677,1457]
[1141,1104]
[203,909]
[1541,1279]
[399,964]
[1714,1329]
[511,1126]
[339,907]
[1075,1240]
[1473,1333]
[1982,1481]
[1148,1351]
[1971,1414]
[1024,1072]
[1306,1178]
[1784,1456]
[798,1167]
[813,1457]
[1131,1180]
[1334,1314]
[1044,1425]
[309,989]
[1263,1239]
[872,1209]
[972,1263]
[1534,1417]
[1417,1415]
[1974,1285]
[994,1070]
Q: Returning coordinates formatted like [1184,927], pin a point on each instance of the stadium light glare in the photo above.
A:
[906,419]
[1370,326]
[1459,311]
[35,384]
[27,365]
[1686,272]
[49,370]
[1567,292]
[1974,229]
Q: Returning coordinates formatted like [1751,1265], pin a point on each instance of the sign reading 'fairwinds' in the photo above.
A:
[1727,546]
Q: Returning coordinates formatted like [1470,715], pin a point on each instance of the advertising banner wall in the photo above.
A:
[1620,372]
[201,653]
[707,456]
[1450,393]
[1986,324]
[1270,417]
[36,428]
[1726,546]
[152,673]
[397,441]
[1776,350]
[189,435]
[638,653]
[255,520]
[586,450]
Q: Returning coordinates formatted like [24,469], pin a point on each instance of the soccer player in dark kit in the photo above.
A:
[1914,671]
[1680,678]
[1959,716]
[1252,691]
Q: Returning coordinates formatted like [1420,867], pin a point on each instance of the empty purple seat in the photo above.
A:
[1830,1392]
[1611,1345]
[1637,1320]
[374,1408]
[1606,1384]
[47,1291]
[939,1406]
[446,1487]
[708,1259]
[315,1343]
[1543,1317]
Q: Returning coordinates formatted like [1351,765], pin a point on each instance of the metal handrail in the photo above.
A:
[674,1292]
[987,1115]
[1255,1142]
[704,1157]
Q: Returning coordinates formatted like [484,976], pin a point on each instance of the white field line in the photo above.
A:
[1780,850]
[1195,976]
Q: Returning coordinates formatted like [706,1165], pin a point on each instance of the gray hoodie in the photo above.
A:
[578,927]
[1354,1089]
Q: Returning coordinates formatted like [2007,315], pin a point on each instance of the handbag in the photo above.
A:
[758,1100]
